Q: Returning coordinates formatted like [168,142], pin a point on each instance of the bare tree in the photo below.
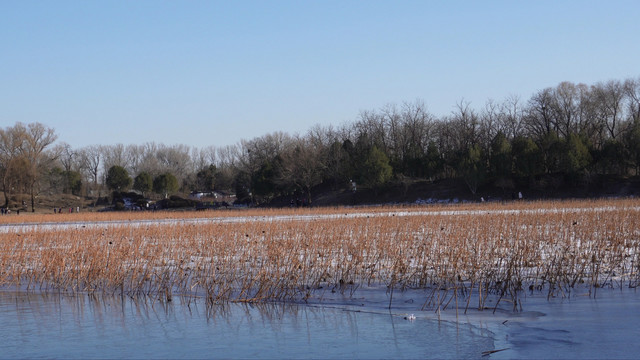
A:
[371,127]
[11,158]
[632,89]
[113,155]
[301,165]
[66,169]
[149,162]
[91,160]
[491,123]
[227,165]
[174,159]
[565,107]
[608,99]
[67,156]
[229,156]
[37,138]
[134,158]
[255,152]
[511,117]
[393,134]
[202,158]
[466,122]
[539,118]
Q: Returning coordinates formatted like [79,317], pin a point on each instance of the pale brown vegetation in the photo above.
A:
[458,255]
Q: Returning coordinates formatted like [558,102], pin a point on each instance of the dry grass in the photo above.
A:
[458,255]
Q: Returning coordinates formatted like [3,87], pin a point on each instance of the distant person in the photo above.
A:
[519,195]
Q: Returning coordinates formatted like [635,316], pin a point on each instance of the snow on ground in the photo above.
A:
[298,217]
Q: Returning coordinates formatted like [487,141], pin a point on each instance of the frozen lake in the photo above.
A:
[27,226]
[61,326]
[53,326]
[607,327]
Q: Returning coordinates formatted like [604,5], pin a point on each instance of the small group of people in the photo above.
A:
[298,203]
[59,210]
[5,211]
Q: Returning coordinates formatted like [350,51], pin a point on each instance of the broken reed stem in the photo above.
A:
[473,251]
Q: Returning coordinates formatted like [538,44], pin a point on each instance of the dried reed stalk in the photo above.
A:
[453,254]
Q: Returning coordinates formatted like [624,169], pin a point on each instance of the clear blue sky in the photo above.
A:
[206,73]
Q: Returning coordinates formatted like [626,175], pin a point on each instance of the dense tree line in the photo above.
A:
[571,131]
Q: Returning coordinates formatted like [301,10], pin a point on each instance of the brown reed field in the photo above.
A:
[456,256]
